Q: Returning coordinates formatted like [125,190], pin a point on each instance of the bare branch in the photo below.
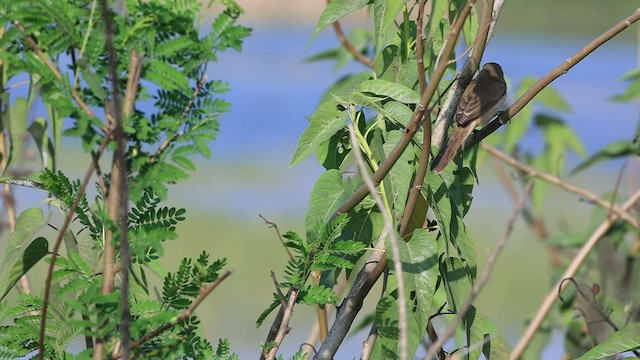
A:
[570,272]
[349,47]
[532,172]
[284,325]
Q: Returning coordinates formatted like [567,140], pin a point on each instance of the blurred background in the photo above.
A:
[273,90]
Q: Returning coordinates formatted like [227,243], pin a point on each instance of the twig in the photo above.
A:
[445,117]
[165,145]
[56,246]
[388,224]
[377,261]
[274,226]
[204,292]
[419,51]
[560,70]
[532,172]
[551,298]
[281,296]
[486,274]
[74,93]
[348,46]
[367,345]
[284,325]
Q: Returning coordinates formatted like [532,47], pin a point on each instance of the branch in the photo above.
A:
[376,263]
[419,52]
[204,292]
[551,298]
[56,246]
[349,47]
[532,172]
[560,70]
[445,118]
[284,325]
[388,224]
[486,274]
[274,226]
[165,145]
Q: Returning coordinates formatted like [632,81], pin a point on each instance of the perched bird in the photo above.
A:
[479,103]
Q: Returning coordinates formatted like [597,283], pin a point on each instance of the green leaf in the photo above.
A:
[18,258]
[395,91]
[335,10]
[398,182]
[38,130]
[17,129]
[625,339]
[384,14]
[325,122]
[327,194]
[616,149]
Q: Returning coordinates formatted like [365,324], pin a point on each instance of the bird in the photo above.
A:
[480,101]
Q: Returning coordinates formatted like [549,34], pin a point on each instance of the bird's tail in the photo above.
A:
[449,152]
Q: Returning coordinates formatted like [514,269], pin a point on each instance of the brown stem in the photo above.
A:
[56,246]
[551,298]
[349,47]
[560,70]
[284,325]
[422,79]
[532,172]
[204,292]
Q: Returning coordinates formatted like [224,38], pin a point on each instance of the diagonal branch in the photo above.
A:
[556,290]
[204,292]
[376,263]
[388,224]
[560,70]
[348,46]
[532,172]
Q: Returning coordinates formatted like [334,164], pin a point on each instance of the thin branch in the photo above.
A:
[560,70]
[376,263]
[445,117]
[275,227]
[21,182]
[284,325]
[422,79]
[532,172]
[349,47]
[484,279]
[165,145]
[204,292]
[74,93]
[56,246]
[551,298]
[388,224]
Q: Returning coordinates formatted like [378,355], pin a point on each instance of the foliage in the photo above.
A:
[169,113]
[439,267]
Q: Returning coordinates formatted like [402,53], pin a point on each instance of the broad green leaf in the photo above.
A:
[398,181]
[384,14]
[623,340]
[398,112]
[325,122]
[345,86]
[22,253]
[519,124]
[395,91]
[327,195]
[335,10]
[392,66]
[470,27]
[495,346]
[632,92]
[458,286]
[38,130]
[559,137]
[616,149]
[438,13]
[17,129]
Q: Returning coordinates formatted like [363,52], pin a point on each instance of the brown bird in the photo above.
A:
[479,103]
